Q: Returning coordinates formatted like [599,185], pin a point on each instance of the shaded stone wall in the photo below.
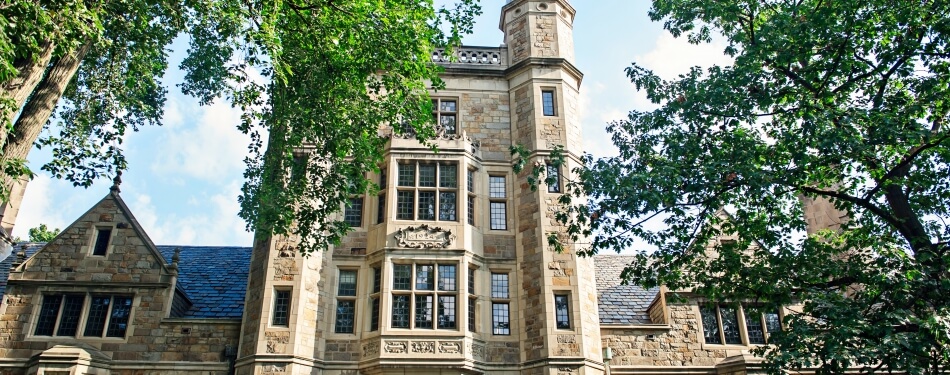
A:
[682,345]
[485,117]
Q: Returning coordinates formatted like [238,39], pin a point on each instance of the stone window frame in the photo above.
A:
[438,113]
[416,189]
[375,297]
[353,211]
[741,322]
[414,292]
[90,248]
[290,301]
[552,91]
[497,301]
[567,316]
[83,319]
[554,188]
[346,299]
[498,202]
[381,195]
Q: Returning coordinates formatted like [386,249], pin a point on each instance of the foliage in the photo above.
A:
[830,100]
[330,75]
[43,234]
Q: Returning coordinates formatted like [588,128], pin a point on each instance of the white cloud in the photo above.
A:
[214,221]
[37,207]
[210,149]
[671,56]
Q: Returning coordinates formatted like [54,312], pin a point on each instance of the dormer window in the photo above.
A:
[103,235]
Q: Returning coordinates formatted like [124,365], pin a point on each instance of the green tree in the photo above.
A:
[839,100]
[43,234]
[316,80]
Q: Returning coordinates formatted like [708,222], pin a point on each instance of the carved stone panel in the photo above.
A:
[450,347]
[424,237]
[423,347]
[396,347]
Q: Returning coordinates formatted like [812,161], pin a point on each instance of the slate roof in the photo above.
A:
[213,277]
[620,304]
[31,248]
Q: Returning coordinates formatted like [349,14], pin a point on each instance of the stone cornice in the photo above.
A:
[557,62]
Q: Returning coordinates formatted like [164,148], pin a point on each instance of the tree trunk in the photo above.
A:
[35,113]
[20,87]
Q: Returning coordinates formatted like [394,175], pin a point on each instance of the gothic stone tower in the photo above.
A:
[447,269]
[544,89]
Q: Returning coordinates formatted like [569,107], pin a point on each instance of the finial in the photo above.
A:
[177,255]
[116,181]
[20,257]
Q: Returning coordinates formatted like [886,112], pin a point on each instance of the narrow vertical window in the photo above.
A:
[281,316]
[447,277]
[471,314]
[353,213]
[347,285]
[98,313]
[374,318]
[69,320]
[423,311]
[730,325]
[547,102]
[446,312]
[424,277]
[498,206]
[710,319]
[445,114]
[381,209]
[500,319]
[119,319]
[49,311]
[377,279]
[753,326]
[471,281]
[499,285]
[553,179]
[562,316]
[346,303]
[470,181]
[400,318]
[102,241]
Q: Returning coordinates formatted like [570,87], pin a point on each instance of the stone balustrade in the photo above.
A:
[479,56]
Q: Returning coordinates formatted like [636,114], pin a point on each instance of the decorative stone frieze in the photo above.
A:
[423,346]
[424,237]
[396,347]
[450,347]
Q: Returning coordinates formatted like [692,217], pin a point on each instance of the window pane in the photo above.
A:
[345,311]
[382,176]
[381,209]
[374,318]
[471,210]
[447,206]
[427,175]
[118,322]
[561,315]
[448,123]
[553,179]
[447,106]
[102,242]
[471,281]
[730,325]
[447,277]
[281,308]
[710,325]
[547,102]
[426,205]
[470,180]
[424,311]
[400,312]
[496,186]
[471,314]
[48,313]
[499,216]
[69,321]
[377,279]
[405,204]
[347,283]
[772,322]
[407,175]
[402,277]
[425,277]
[499,319]
[499,285]
[353,213]
[447,312]
[753,326]
[98,311]
[448,176]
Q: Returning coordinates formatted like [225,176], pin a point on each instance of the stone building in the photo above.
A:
[447,269]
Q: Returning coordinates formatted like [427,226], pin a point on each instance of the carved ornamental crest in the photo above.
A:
[424,237]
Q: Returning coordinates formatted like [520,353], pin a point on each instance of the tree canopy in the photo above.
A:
[844,101]
[42,233]
[315,79]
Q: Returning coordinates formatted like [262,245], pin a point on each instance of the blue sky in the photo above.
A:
[184,177]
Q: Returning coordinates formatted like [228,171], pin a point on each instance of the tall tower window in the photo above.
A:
[445,114]
[498,205]
[346,302]
[553,178]
[353,213]
[562,316]
[500,315]
[281,308]
[427,191]
[547,102]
